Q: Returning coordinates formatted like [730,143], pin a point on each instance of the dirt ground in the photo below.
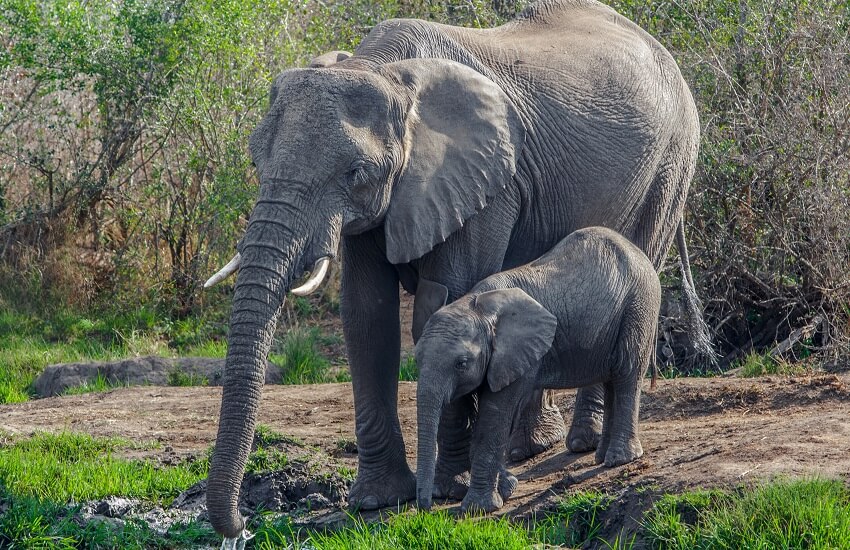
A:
[710,432]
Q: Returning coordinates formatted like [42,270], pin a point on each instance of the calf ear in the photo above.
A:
[430,297]
[524,332]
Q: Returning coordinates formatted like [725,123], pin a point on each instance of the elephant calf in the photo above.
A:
[584,313]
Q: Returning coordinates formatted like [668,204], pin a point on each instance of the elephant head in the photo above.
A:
[497,336]
[413,147]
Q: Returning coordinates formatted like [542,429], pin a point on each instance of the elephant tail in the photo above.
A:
[653,362]
[697,327]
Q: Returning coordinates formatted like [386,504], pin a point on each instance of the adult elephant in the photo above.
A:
[436,156]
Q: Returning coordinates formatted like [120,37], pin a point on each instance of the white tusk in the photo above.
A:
[225,272]
[316,278]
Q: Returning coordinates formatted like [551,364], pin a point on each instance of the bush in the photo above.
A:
[767,215]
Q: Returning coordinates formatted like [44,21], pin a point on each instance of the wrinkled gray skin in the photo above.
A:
[443,154]
[584,313]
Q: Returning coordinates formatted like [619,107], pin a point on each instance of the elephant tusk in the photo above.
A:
[316,278]
[225,272]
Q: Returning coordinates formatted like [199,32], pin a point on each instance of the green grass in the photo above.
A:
[755,364]
[181,378]
[811,514]
[208,348]
[100,383]
[36,523]
[576,520]
[42,477]
[74,467]
[426,531]
[408,371]
[29,343]
[301,362]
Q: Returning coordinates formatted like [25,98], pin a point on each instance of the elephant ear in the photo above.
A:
[328,59]
[430,297]
[463,140]
[524,332]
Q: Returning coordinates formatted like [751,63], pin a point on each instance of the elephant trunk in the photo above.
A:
[266,272]
[429,406]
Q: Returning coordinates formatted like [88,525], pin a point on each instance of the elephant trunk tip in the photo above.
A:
[424,500]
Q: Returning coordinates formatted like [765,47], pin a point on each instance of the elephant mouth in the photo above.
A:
[312,279]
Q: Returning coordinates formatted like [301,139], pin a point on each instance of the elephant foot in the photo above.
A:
[481,503]
[585,434]
[617,455]
[382,489]
[450,486]
[539,427]
[507,484]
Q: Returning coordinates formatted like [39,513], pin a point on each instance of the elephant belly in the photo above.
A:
[572,368]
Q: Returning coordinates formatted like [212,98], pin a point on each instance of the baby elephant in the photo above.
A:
[586,312]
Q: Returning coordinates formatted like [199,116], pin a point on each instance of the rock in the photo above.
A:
[151,370]
[112,507]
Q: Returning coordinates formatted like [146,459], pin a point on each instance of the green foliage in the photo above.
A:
[74,467]
[575,521]
[408,370]
[36,523]
[100,383]
[755,364]
[300,360]
[766,222]
[426,531]
[783,514]
[29,342]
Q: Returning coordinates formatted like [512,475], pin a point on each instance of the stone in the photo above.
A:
[138,371]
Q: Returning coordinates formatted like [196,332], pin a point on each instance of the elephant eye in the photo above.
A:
[356,174]
[460,364]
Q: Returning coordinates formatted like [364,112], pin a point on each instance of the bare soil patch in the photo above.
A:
[709,432]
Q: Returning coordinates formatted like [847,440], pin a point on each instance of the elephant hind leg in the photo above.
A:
[538,426]
[622,396]
[586,429]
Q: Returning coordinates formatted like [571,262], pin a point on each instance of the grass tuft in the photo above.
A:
[301,362]
[784,514]
[426,531]
[576,520]
[100,383]
[408,371]
[755,364]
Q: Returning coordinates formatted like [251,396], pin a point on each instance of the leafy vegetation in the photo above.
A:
[301,362]
[755,364]
[785,514]
[766,218]
[30,522]
[407,369]
[74,467]
[125,176]
[30,342]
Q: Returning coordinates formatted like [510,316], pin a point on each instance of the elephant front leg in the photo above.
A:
[538,426]
[586,429]
[369,308]
[490,483]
